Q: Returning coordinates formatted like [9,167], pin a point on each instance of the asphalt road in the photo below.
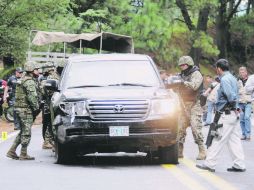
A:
[119,173]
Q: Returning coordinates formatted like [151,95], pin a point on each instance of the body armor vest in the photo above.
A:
[188,94]
[21,100]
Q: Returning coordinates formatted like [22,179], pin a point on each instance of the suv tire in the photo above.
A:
[63,154]
[169,154]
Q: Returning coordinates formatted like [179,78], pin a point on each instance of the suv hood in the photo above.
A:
[112,92]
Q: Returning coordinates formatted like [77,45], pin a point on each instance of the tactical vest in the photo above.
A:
[188,94]
[53,75]
[21,100]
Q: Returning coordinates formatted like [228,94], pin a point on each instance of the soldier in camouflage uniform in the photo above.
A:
[27,108]
[193,85]
[48,73]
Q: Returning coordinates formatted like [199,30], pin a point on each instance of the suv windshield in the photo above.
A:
[110,73]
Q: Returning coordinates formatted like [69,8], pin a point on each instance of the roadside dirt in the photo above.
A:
[8,127]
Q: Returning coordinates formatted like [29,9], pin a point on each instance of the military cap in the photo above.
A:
[185,60]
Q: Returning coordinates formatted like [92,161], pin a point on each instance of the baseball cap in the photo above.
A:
[19,69]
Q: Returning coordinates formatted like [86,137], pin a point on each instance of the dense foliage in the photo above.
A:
[164,29]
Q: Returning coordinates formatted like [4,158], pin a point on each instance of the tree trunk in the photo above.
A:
[185,14]
[231,5]
[223,36]
[221,29]
[248,7]
[196,53]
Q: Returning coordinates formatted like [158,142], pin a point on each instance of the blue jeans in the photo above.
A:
[245,120]
[210,108]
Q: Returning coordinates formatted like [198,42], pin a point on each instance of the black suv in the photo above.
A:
[109,103]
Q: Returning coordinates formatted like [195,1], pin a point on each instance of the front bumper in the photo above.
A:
[143,136]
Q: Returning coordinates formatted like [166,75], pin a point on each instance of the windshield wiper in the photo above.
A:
[84,86]
[129,84]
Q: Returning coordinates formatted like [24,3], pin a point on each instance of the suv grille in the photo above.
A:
[118,109]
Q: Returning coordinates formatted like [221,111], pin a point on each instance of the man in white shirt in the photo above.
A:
[245,103]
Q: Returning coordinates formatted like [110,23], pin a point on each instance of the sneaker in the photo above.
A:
[247,138]
[233,169]
[243,138]
[204,167]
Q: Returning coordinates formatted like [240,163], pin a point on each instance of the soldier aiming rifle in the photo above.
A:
[189,86]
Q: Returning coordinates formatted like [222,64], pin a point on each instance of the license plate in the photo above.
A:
[118,131]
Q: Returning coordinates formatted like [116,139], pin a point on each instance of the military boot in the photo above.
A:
[180,150]
[24,155]
[202,152]
[46,145]
[12,154]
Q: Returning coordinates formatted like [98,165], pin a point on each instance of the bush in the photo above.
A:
[5,73]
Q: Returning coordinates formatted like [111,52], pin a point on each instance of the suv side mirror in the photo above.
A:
[52,84]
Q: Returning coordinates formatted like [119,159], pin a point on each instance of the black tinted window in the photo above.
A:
[104,73]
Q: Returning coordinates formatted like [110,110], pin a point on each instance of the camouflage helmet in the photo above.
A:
[30,66]
[47,67]
[185,60]
[61,62]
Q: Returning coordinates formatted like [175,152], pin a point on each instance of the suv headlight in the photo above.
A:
[163,107]
[74,108]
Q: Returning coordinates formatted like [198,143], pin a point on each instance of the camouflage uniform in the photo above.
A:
[47,128]
[193,82]
[27,108]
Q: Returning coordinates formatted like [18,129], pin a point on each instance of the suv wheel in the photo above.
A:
[169,154]
[63,154]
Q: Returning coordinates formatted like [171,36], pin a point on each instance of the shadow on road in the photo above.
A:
[112,161]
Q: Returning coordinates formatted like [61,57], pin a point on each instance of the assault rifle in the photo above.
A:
[215,126]
[213,130]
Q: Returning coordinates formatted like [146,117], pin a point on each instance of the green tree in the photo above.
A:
[242,30]
[18,17]
[198,28]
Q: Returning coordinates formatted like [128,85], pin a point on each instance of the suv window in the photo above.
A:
[107,73]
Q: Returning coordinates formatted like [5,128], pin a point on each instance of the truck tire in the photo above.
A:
[169,154]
